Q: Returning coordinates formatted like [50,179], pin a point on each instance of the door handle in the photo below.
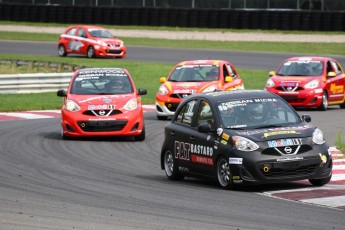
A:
[192,138]
[172,133]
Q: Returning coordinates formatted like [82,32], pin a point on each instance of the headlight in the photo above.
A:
[210,89]
[312,84]
[72,106]
[244,144]
[102,43]
[131,104]
[270,83]
[162,90]
[318,137]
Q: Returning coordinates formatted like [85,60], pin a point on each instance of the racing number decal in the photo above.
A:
[182,150]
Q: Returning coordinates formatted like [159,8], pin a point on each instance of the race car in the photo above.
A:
[309,82]
[92,41]
[102,102]
[244,137]
[194,76]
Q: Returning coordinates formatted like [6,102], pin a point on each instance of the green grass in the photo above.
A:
[145,75]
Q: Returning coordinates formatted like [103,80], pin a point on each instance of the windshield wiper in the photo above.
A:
[267,126]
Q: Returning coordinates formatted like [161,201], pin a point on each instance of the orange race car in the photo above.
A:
[92,41]
[309,82]
[194,76]
[102,102]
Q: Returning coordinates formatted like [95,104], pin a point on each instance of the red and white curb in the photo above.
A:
[40,114]
[330,195]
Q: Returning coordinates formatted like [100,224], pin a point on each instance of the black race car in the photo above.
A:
[244,137]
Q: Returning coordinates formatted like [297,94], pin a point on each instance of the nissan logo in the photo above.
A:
[288,149]
[102,112]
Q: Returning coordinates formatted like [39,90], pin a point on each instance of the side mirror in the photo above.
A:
[271,73]
[162,79]
[306,118]
[204,128]
[229,79]
[61,93]
[142,91]
[331,74]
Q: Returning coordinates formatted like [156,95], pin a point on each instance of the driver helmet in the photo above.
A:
[213,73]
[256,111]
[115,84]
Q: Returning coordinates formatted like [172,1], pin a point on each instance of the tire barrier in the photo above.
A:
[178,17]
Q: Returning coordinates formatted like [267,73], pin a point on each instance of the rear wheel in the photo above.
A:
[320,182]
[170,167]
[91,52]
[224,173]
[324,103]
[62,51]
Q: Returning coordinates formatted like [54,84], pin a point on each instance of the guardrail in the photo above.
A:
[33,82]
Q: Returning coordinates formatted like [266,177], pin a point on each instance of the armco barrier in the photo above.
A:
[178,17]
[33,83]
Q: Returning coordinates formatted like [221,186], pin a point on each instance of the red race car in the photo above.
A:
[102,102]
[309,82]
[194,76]
[93,41]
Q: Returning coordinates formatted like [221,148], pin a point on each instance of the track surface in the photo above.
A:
[115,183]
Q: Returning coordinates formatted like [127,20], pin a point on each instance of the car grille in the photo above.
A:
[179,95]
[114,51]
[101,112]
[292,98]
[291,168]
[102,125]
[279,151]
[171,106]
[281,88]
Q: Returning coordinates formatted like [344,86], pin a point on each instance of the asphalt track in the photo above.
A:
[115,183]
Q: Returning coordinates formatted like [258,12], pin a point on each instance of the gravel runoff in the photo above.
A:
[197,35]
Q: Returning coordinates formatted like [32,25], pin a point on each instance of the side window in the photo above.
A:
[205,114]
[82,33]
[71,31]
[329,67]
[232,71]
[186,113]
[336,67]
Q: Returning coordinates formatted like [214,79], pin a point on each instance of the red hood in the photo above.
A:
[86,100]
[189,87]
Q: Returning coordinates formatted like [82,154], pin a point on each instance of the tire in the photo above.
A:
[62,51]
[342,106]
[162,118]
[320,182]
[91,52]
[324,103]
[141,136]
[170,167]
[224,176]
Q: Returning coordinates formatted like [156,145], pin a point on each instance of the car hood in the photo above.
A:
[190,87]
[101,101]
[110,40]
[293,80]
[265,134]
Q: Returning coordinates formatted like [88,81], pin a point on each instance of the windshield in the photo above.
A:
[195,73]
[256,113]
[301,68]
[101,82]
[100,33]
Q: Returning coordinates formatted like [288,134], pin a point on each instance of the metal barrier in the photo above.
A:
[33,83]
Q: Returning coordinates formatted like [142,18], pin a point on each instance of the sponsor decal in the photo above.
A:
[290,159]
[284,142]
[253,132]
[224,142]
[235,160]
[282,132]
[183,169]
[184,150]
[225,136]
[75,45]
[202,159]
[238,181]
[236,177]
[219,131]
[336,88]
[323,158]
[94,107]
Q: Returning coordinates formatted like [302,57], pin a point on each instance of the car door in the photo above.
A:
[202,144]
[179,134]
[82,41]
[335,84]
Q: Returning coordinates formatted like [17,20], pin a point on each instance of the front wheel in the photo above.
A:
[320,182]
[141,136]
[170,167]
[62,51]
[224,173]
[91,52]
[324,103]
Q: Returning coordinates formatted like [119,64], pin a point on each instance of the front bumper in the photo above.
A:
[302,98]
[125,124]
[110,52]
